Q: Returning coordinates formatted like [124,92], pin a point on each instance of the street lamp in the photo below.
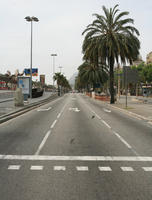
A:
[53,65]
[60,68]
[31,19]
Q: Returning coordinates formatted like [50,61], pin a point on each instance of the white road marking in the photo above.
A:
[74,109]
[42,143]
[122,140]
[106,110]
[44,109]
[35,167]
[147,169]
[59,115]
[77,158]
[105,169]
[105,123]
[82,168]
[52,126]
[127,169]
[14,167]
[59,168]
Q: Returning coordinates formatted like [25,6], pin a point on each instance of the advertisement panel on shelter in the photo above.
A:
[24,83]
[28,72]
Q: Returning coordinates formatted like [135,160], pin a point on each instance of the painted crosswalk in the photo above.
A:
[80,168]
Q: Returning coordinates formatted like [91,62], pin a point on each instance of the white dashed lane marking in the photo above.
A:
[35,167]
[147,169]
[82,168]
[127,169]
[105,169]
[52,126]
[14,167]
[59,168]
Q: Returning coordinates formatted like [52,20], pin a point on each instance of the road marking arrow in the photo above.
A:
[74,109]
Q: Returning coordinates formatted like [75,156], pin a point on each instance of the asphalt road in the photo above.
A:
[75,148]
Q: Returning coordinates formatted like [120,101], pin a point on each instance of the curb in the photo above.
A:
[6,100]
[25,109]
[127,112]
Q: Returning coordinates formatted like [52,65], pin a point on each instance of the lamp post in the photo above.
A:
[53,55]
[60,68]
[31,19]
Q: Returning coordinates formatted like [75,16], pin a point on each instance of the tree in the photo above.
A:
[89,74]
[111,39]
[61,82]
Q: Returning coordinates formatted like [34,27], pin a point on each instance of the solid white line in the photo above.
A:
[127,169]
[42,143]
[14,167]
[34,167]
[77,158]
[59,168]
[122,140]
[147,169]
[82,168]
[59,115]
[105,169]
[52,126]
[105,123]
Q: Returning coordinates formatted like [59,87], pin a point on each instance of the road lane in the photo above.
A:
[23,134]
[79,134]
[136,132]
[81,159]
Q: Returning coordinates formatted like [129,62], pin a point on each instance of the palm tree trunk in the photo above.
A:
[112,92]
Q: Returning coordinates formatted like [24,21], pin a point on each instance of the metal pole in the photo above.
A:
[53,68]
[126,84]
[31,60]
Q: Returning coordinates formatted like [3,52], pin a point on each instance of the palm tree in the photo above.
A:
[111,39]
[61,82]
[89,74]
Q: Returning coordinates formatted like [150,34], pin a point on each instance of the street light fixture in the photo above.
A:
[31,19]
[53,55]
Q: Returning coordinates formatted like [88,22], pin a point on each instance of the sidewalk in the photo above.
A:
[138,105]
[7,104]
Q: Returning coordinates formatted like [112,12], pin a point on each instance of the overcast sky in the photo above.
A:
[59,30]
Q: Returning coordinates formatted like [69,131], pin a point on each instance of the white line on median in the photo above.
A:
[42,143]
[52,126]
[77,158]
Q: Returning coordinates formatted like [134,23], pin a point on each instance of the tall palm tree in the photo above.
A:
[61,81]
[112,39]
[91,74]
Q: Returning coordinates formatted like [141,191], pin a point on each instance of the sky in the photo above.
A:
[59,30]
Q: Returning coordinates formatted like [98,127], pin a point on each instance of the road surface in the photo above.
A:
[75,148]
